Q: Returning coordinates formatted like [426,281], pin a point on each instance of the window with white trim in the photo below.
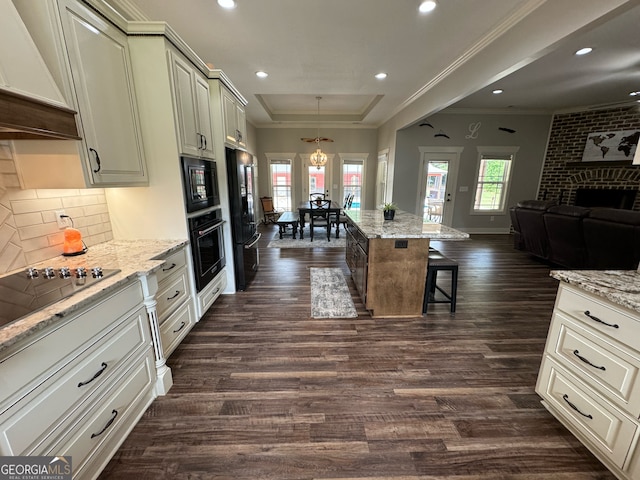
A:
[494,174]
[352,178]
[281,184]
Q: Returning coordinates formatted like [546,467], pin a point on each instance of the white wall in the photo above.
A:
[531,137]
[346,140]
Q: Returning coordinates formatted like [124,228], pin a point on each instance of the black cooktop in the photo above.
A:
[27,292]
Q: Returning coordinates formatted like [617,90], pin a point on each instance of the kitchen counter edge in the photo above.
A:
[405,225]
[621,287]
[134,258]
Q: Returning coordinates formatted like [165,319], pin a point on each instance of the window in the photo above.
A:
[353,178]
[281,184]
[494,173]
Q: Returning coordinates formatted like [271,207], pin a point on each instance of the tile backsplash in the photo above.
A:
[29,231]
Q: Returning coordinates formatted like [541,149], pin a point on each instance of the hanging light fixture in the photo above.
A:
[318,158]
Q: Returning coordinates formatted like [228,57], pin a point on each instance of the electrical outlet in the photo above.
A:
[63,222]
[492,218]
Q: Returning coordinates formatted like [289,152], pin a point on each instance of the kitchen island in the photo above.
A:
[388,259]
[589,375]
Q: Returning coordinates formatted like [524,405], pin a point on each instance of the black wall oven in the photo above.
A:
[207,246]
[200,179]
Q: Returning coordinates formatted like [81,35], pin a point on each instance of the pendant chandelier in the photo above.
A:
[318,158]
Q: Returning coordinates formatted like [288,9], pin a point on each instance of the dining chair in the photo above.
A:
[342,217]
[314,197]
[319,217]
[268,210]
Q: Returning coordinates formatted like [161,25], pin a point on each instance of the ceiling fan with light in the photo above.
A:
[318,138]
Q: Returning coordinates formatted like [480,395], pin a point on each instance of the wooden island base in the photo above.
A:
[397,276]
[388,259]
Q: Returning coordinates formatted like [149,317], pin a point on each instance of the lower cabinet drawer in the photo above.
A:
[120,406]
[23,370]
[38,421]
[211,292]
[599,314]
[174,328]
[604,427]
[173,294]
[599,363]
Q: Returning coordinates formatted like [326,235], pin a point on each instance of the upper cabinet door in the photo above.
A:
[103,85]
[193,108]
[187,117]
[203,107]
[241,125]
[234,120]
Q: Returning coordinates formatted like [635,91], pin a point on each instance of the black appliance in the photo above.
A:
[240,175]
[200,179]
[26,292]
[207,246]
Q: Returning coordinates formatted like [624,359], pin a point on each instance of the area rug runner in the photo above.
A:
[330,297]
[319,241]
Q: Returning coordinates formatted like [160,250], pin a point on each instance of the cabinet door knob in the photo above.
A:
[96,375]
[114,414]
[596,319]
[95,153]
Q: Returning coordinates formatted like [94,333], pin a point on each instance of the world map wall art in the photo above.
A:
[611,146]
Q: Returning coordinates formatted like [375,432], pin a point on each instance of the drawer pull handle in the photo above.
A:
[577,354]
[177,293]
[173,265]
[181,327]
[114,414]
[565,397]
[593,317]
[97,374]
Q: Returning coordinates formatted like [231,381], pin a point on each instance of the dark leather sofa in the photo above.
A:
[577,237]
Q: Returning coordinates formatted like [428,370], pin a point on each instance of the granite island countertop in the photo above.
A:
[404,225]
[618,286]
[132,257]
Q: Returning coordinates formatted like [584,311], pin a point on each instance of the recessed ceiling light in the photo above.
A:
[497,91]
[381,76]
[427,6]
[584,51]
[261,74]
[227,3]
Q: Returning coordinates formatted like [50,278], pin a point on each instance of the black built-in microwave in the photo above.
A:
[200,180]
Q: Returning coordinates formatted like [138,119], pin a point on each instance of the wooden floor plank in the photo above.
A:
[263,391]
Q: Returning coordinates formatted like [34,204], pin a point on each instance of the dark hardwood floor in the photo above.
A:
[263,391]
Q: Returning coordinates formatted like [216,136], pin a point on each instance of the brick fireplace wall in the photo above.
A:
[566,144]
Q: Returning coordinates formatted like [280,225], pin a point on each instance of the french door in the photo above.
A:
[436,196]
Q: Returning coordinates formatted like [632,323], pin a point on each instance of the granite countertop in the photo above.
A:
[404,225]
[133,258]
[618,286]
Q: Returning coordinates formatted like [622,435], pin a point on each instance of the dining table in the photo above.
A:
[334,210]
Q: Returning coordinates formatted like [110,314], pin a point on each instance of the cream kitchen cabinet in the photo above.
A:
[91,60]
[78,386]
[235,124]
[193,108]
[589,376]
[211,292]
[175,307]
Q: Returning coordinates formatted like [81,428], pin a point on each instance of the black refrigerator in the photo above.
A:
[241,178]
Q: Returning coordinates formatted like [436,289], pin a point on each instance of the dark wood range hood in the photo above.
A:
[26,118]
[31,104]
